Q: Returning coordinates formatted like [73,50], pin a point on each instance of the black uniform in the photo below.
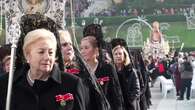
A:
[129,82]
[94,97]
[42,95]
[108,79]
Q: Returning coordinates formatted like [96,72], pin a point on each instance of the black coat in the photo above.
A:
[129,82]
[94,96]
[42,95]
[108,79]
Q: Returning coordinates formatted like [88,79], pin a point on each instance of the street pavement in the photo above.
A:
[170,102]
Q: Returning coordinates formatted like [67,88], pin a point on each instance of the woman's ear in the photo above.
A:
[97,51]
[27,57]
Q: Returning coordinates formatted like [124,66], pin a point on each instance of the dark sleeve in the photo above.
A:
[3,93]
[1,98]
[134,86]
[141,83]
[79,103]
[114,91]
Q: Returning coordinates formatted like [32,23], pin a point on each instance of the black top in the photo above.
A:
[129,82]
[108,79]
[42,95]
[94,96]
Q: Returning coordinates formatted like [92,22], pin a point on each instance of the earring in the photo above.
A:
[27,61]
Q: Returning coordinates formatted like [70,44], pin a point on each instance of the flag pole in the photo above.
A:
[15,34]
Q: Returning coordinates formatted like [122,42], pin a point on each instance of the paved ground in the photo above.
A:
[169,103]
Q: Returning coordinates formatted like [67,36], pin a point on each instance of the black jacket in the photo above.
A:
[108,79]
[129,82]
[42,95]
[94,96]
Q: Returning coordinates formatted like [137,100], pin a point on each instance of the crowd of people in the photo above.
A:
[82,5]
[50,73]
[179,68]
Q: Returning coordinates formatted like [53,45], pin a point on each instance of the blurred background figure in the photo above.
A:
[186,71]
[5,52]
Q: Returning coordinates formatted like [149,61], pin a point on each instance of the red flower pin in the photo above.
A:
[103,79]
[72,71]
[62,99]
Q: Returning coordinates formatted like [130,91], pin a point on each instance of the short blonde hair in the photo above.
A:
[36,35]
[126,54]
[65,36]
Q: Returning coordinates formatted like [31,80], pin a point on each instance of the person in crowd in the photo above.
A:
[129,80]
[104,73]
[106,56]
[39,83]
[5,52]
[94,97]
[6,63]
[152,69]
[186,77]
[145,94]
[193,66]
[148,91]
[67,48]
[176,75]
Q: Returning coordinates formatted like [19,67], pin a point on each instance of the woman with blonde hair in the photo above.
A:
[103,72]
[38,82]
[128,78]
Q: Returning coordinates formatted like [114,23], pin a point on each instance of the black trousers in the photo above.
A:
[186,83]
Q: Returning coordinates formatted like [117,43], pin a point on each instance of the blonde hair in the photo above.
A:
[65,36]
[92,40]
[36,35]
[126,55]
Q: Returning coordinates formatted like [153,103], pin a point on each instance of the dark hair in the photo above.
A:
[188,66]
[118,41]
[96,31]
[92,40]
[4,51]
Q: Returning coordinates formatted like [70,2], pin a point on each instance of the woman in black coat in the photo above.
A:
[145,93]
[73,64]
[128,78]
[104,73]
[43,95]
[38,82]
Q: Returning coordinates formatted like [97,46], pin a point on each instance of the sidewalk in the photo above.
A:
[169,103]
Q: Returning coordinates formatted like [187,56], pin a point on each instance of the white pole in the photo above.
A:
[15,34]
[11,74]
[182,45]
[73,24]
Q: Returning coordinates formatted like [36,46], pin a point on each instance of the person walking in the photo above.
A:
[186,77]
